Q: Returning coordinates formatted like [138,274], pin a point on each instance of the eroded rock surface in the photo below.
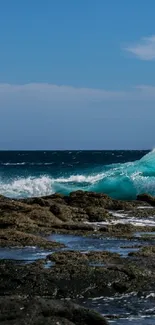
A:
[58,213]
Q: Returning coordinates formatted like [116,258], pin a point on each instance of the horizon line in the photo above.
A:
[121,149]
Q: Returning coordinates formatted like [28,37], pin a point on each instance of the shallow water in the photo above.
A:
[23,254]
[140,320]
[78,243]
[147,233]
[85,244]
[130,308]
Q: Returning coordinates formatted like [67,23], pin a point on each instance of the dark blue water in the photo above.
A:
[121,174]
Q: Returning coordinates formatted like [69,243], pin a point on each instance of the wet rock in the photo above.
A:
[142,213]
[72,280]
[97,214]
[64,214]
[80,257]
[86,199]
[61,211]
[76,227]
[25,217]
[103,256]
[13,238]
[145,251]
[146,198]
[68,257]
[38,311]
[118,229]
[35,214]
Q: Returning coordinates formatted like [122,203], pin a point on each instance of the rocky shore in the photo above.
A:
[26,222]
[38,292]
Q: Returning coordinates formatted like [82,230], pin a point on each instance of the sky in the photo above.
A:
[77,74]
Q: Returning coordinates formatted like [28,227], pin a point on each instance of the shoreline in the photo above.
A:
[71,269]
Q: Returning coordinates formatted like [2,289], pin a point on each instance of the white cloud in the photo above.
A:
[63,96]
[59,93]
[143,49]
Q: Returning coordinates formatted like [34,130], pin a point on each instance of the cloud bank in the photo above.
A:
[68,94]
[59,93]
[46,116]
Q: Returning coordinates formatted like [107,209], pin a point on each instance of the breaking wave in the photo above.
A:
[119,180]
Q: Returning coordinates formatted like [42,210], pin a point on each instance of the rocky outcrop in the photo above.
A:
[39,311]
[76,213]
[100,200]
[46,212]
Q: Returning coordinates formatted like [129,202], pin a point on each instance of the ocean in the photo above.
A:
[120,174]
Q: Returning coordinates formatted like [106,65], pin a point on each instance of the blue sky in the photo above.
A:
[77,74]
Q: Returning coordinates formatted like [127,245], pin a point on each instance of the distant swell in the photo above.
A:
[122,181]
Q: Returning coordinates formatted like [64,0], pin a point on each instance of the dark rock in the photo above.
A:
[12,238]
[40,214]
[146,198]
[68,257]
[79,227]
[23,223]
[97,214]
[73,280]
[118,229]
[61,211]
[86,199]
[74,257]
[145,251]
[38,311]
[58,213]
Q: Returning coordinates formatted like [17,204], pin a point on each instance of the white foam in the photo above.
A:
[133,221]
[81,179]
[13,164]
[28,187]
[151,295]
[145,207]
[40,186]
[118,214]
